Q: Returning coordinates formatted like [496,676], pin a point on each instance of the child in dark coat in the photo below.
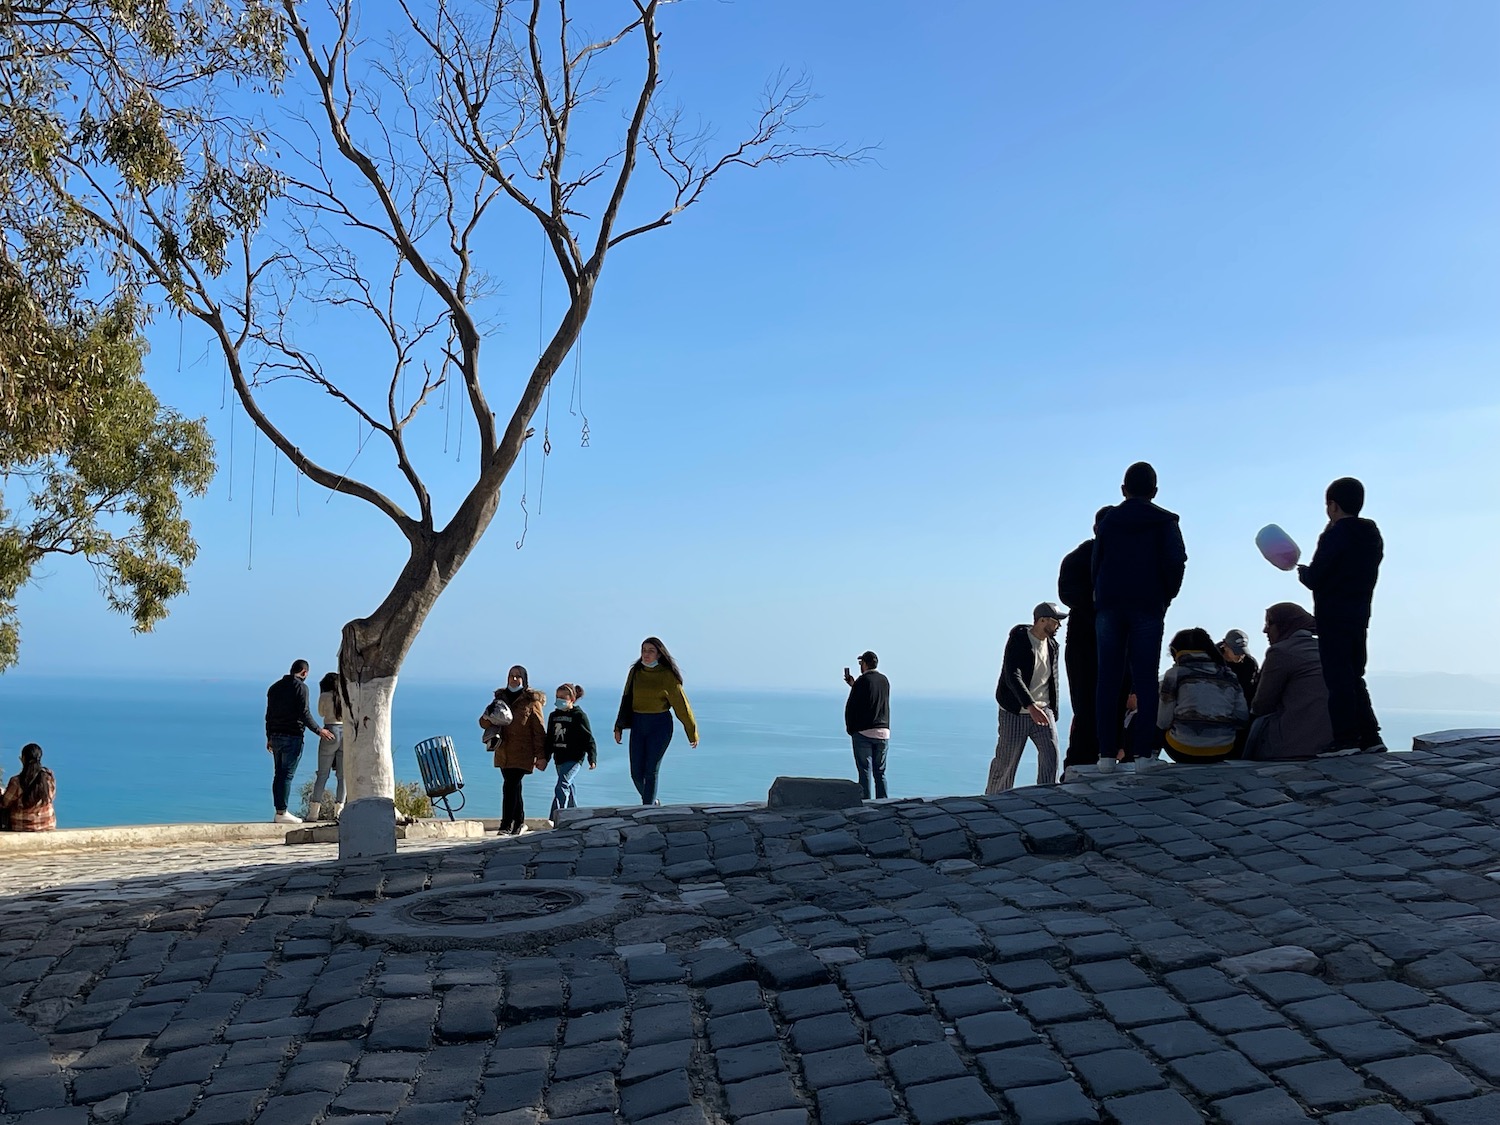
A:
[570,740]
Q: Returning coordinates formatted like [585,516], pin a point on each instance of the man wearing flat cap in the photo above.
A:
[1235,649]
[867,721]
[1027,694]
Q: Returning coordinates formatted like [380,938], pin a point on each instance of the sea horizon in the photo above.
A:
[133,750]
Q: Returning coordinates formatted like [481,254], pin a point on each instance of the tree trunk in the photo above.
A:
[370,657]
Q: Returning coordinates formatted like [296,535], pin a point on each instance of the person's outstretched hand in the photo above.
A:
[1038,716]
[593,765]
[617,736]
[694,744]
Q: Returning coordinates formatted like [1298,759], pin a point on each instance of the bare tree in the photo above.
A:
[377,208]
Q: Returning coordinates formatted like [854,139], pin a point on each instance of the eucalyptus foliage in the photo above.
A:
[91,464]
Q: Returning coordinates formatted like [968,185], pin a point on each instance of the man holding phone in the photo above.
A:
[867,719]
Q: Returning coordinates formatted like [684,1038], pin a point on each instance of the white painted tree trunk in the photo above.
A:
[367,826]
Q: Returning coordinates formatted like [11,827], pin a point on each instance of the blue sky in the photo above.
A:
[844,408]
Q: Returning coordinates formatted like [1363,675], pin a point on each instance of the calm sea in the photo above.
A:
[163,751]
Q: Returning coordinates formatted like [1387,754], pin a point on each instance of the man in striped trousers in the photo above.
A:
[1027,694]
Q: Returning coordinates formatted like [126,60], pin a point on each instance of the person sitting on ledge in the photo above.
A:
[1201,706]
[1291,699]
[28,798]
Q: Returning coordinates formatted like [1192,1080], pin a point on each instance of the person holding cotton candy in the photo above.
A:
[1342,576]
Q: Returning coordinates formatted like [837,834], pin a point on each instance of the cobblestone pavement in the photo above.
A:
[1049,957]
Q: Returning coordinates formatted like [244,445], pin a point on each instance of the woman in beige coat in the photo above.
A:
[519,746]
[1291,700]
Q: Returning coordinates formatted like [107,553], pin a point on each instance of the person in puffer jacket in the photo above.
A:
[1201,706]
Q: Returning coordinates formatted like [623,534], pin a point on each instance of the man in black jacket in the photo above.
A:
[1027,694]
[1139,560]
[867,719]
[1342,578]
[287,713]
[1075,589]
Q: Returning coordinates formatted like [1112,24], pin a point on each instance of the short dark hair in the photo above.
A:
[1348,493]
[300,666]
[1140,481]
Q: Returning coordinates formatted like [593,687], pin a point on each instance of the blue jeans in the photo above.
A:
[286,753]
[650,735]
[869,759]
[1128,638]
[562,795]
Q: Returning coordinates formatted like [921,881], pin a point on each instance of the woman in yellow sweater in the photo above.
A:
[653,690]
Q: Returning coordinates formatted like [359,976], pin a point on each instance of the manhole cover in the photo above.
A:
[495,915]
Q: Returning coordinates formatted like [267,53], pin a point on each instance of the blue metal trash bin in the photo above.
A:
[441,775]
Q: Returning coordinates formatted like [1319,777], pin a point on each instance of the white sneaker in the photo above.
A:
[521,831]
[338,809]
[286,818]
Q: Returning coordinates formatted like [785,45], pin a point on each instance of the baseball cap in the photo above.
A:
[869,658]
[1048,609]
[1237,641]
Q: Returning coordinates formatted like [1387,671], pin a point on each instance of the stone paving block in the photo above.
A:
[226,1109]
[469,1012]
[1061,1103]
[596,1027]
[1386,995]
[741,1028]
[1275,1046]
[968,1000]
[1326,1011]
[403,1024]
[1136,1007]
[822,1033]
[589,992]
[1441,969]
[819,1000]
[995,1029]
[859,1103]
[1364,1042]
[420,1113]
[592,1058]
[1420,1078]
[658,1058]
[257,1076]
[726,999]
[765,1094]
[839,1067]
[1158,1107]
[1481,1052]
[870,973]
[1052,1005]
[925,1062]
[1483,1110]
[791,968]
[95,1085]
[1176,1040]
[1264,1107]
[371,1097]
[710,967]
[1435,1021]
[688,1115]
[948,973]
[581,1096]
[888,1000]
[661,1023]
[1326,1085]
[1022,976]
[1028,1065]
[1113,975]
[1238,1013]
[1219,1074]
[389,1065]
[895,1032]
[1481,997]
[657,1095]
[160,1107]
[508,1092]
[1369,1115]
[953,1100]
[1087,1037]
[324,1076]
[1110,1073]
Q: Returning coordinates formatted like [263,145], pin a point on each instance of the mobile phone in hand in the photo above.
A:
[846,671]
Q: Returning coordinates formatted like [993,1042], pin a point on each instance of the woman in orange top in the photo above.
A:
[28,797]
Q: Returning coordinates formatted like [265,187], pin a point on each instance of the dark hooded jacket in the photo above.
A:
[1139,558]
[1075,584]
[1344,568]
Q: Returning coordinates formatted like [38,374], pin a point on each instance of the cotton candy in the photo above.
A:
[1277,546]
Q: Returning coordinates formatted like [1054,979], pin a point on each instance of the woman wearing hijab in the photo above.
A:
[519,745]
[1291,699]
[28,798]
[653,690]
